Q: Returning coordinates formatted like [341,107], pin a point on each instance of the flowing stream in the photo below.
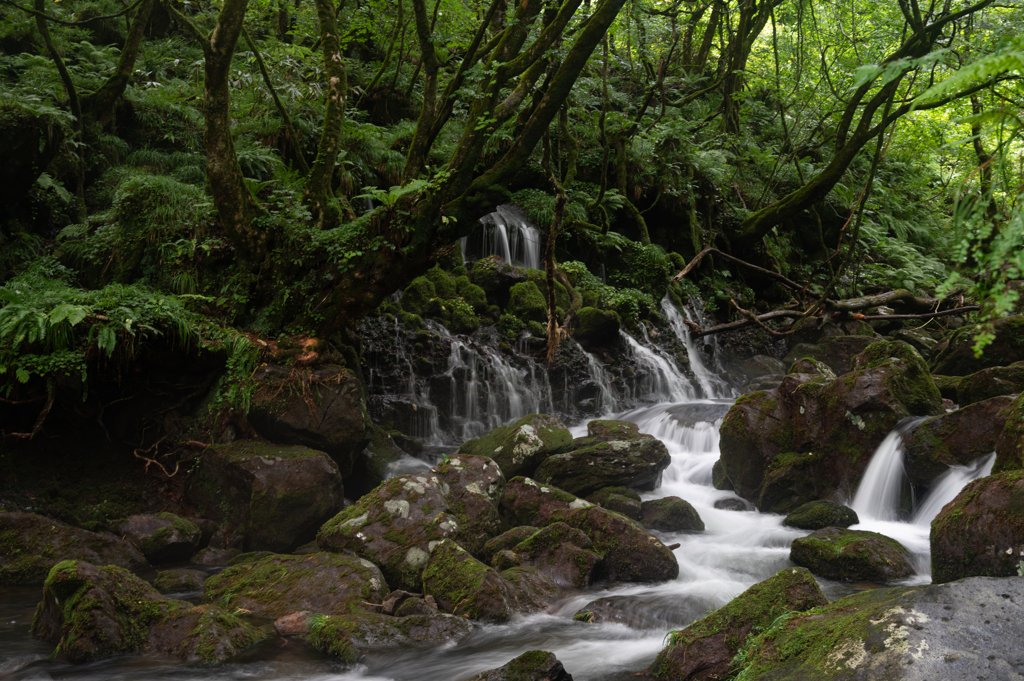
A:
[737,549]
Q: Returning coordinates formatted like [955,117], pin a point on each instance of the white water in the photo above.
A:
[658,378]
[710,383]
[948,485]
[506,233]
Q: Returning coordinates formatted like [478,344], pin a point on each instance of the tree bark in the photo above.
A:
[100,104]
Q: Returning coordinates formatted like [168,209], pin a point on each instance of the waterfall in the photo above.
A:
[878,495]
[710,383]
[948,485]
[658,377]
[607,403]
[506,233]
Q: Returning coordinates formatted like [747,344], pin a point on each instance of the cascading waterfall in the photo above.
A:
[506,233]
[658,377]
[945,488]
[607,403]
[878,495]
[710,383]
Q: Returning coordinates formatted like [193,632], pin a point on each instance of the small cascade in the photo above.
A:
[948,485]
[607,403]
[506,233]
[710,384]
[658,379]
[878,495]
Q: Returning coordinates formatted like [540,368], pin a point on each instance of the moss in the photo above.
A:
[332,635]
[453,576]
[510,326]
[472,294]
[815,515]
[527,303]
[444,286]
[418,296]
[596,327]
[852,555]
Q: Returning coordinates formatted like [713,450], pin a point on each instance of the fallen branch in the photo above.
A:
[927,315]
[747,322]
[788,283]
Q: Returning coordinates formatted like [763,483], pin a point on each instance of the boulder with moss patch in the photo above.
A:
[526,302]
[635,462]
[162,538]
[418,296]
[560,552]
[852,555]
[505,541]
[533,665]
[179,579]
[671,514]
[496,277]
[705,649]
[1010,444]
[836,352]
[346,637]
[991,382]
[596,328]
[522,446]
[30,545]
[619,499]
[817,515]
[94,612]
[955,355]
[276,495]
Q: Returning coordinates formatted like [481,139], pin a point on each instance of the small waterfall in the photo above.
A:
[710,383]
[506,233]
[948,485]
[878,495]
[658,377]
[607,403]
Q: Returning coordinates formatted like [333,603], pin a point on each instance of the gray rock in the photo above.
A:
[535,665]
[180,579]
[162,538]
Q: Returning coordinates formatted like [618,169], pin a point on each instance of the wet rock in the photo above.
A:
[761,365]
[276,496]
[496,277]
[347,636]
[969,629]
[817,515]
[605,430]
[955,355]
[535,665]
[834,351]
[947,386]
[990,382]
[211,557]
[31,544]
[695,414]
[806,439]
[596,328]
[635,462]
[519,448]
[322,409]
[632,611]
[293,624]
[671,514]
[619,499]
[809,365]
[372,465]
[769,382]
[981,532]
[733,504]
[852,555]
[705,649]
[162,538]
[506,540]
[1010,444]
[528,501]
[394,525]
[956,438]
[560,552]
[95,612]
[180,579]
[276,585]
[921,341]
[719,479]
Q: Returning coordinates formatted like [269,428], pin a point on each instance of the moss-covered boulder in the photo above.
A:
[1010,444]
[955,355]
[619,499]
[94,612]
[276,496]
[472,294]
[533,665]
[852,555]
[211,557]
[605,430]
[596,328]
[970,629]
[719,480]
[705,649]
[394,525]
[496,277]
[162,538]
[560,552]
[506,540]
[636,463]
[30,545]
[276,585]
[809,365]
[836,351]
[991,382]
[812,438]
[956,438]
[921,341]
[522,446]
[947,386]
[346,637]
[528,502]
[817,515]
[981,532]
[323,409]
[444,283]
[418,296]
[526,302]
[671,514]
[372,465]
[180,579]
[462,585]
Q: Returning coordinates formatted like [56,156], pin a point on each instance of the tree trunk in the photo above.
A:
[100,104]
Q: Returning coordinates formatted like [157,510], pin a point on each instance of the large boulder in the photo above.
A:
[323,409]
[533,665]
[817,515]
[526,302]
[990,382]
[496,277]
[346,637]
[1010,444]
[394,525]
[31,544]
[505,541]
[852,555]
[969,629]
[162,538]
[956,438]
[705,649]
[671,514]
[981,532]
[619,499]
[276,496]
[836,352]
[276,585]
[560,552]
[596,328]
[811,438]
[179,579]
[94,612]
[522,446]
[955,355]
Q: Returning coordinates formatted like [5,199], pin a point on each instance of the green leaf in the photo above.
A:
[106,339]
[22,375]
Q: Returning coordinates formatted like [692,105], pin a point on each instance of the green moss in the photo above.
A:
[332,635]
[472,294]
[527,303]
[444,286]
[418,296]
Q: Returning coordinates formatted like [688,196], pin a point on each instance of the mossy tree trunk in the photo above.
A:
[100,104]
[752,20]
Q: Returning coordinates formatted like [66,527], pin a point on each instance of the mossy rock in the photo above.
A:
[472,294]
[372,465]
[96,612]
[611,429]
[706,648]
[836,352]
[540,278]
[619,499]
[506,540]
[181,579]
[347,637]
[533,665]
[816,515]
[1010,444]
[526,302]
[496,277]
[719,479]
[418,296]
[561,553]
[444,284]
[955,355]
[671,514]
[635,463]
[809,365]
[522,446]
[528,502]
[852,555]
[991,382]
[947,386]
[30,545]
[596,328]
[162,538]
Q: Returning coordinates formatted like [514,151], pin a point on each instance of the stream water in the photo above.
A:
[737,549]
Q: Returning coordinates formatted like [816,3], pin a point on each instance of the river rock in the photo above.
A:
[719,480]
[519,448]
[211,557]
[293,624]
[528,502]
[634,462]
[836,352]
[955,355]
[1010,444]
[394,525]
[990,382]
[276,496]
[981,532]
[733,504]
[373,465]
[347,636]
[809,365]
[323,409]
[921,341]
[94,612]
[947,386]
[162,538]
[970,629]
[852,555]
[534,665]
[619,499]
[817,515]
[276,585]
[31,544]
[671,514]
[506,540]
[956,438]
[705,649]
[633,611]
[810,438]
[180,579]
[560,552]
